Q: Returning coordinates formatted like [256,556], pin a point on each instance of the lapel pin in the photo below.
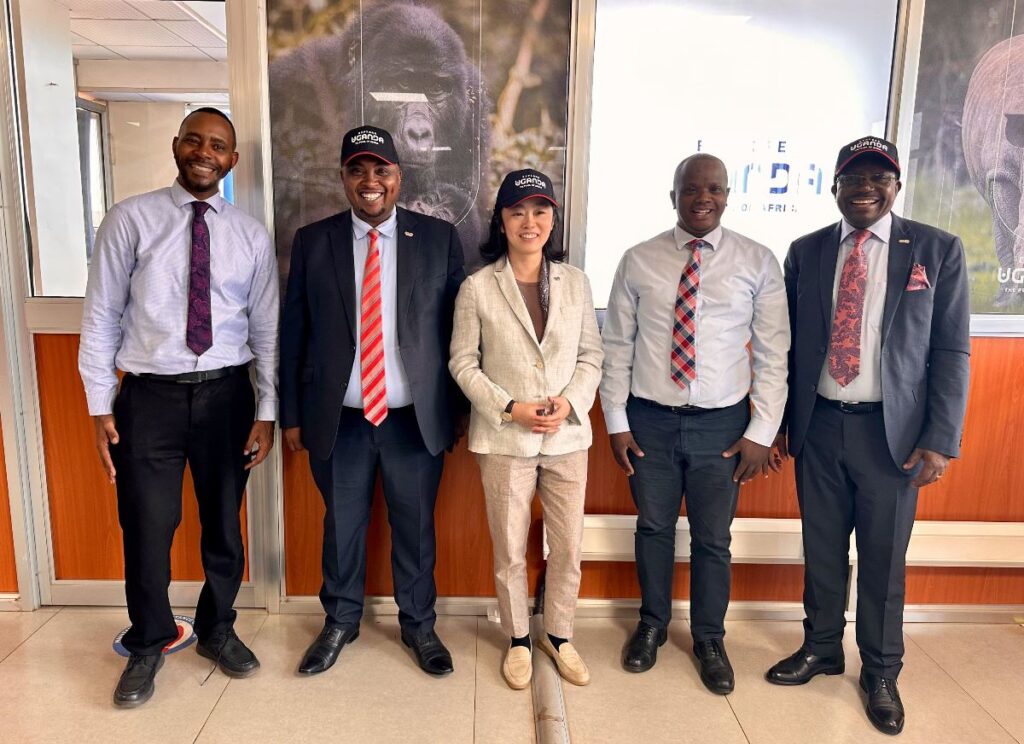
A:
[901,240]
[408,234]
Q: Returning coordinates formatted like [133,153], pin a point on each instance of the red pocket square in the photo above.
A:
[918,279]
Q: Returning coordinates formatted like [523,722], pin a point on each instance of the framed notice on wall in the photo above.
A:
[962,129]
[470,90]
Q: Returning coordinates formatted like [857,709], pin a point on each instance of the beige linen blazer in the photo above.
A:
[495,357]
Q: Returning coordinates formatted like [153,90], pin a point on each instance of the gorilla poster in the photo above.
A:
[469,89]
[966,169]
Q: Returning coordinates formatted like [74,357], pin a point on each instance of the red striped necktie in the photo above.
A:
[683,366]
[844,346]
[371,339]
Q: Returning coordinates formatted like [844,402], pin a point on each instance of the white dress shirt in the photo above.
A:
[396,382]
[866,387]
[136,300]
[741,300]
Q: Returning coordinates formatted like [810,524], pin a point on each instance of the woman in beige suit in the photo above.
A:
[527,353]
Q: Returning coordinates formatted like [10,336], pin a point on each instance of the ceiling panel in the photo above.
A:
[126,33]
[218,53]
[194,33]
[200,98]
[160,10]
[80,40]
[160,53]
[93,51]
[104,9]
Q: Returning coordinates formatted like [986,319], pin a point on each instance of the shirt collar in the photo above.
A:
[881,229]
[181,197]
[386,228]
[682,237]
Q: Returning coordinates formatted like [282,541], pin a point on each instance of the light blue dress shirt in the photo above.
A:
[136,300]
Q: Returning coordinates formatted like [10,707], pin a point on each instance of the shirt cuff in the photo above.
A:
[101,403]
[266,411]
[616,421]
[761,432]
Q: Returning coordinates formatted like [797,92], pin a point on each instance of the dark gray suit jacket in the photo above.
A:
[925,336]
[318,343]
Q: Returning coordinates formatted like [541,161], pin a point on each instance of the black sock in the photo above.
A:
[556,641]
[524,641]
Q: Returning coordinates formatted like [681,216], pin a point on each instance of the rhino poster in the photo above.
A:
[966,166]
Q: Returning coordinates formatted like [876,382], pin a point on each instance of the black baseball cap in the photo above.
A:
[368,141]
[524,184]
[867,146]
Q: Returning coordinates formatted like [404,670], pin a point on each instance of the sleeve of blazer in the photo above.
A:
[294,328]
[948,358]
[488,398]
[790,275]
[582,387]
[456,276]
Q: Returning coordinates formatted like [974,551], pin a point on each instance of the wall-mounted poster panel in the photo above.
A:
[965,111]
[470,89]
[772,88]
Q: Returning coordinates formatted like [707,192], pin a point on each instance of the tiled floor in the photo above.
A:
[962,683]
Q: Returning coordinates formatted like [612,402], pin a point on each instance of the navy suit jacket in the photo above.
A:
[925,336]
[318,325]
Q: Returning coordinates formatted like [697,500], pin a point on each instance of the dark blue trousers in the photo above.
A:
[683,459]
[410,476]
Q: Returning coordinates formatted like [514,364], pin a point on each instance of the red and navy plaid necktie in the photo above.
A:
[684,350]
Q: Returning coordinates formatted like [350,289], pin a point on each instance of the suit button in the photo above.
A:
[539,365]
[813,388]
[822,349]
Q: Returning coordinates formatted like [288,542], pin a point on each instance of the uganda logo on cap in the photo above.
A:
[367,136]
[186,637]
[870,142]
[531,181]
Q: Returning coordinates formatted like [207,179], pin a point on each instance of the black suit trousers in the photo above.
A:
[410,476]
[162,426]
[846,479]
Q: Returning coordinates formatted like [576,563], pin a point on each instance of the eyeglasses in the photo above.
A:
[876,179]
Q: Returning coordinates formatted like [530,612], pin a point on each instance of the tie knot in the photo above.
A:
[199,209]
[860,237]
[696,245]
[373,236]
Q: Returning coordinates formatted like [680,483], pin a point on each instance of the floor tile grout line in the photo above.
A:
[26,638]
[738,721]
[957,683]
[221,696]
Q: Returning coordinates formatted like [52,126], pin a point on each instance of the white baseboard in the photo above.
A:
[111,593]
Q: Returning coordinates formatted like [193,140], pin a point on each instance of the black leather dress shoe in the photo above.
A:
[136,684]
[431,654]
[802,666]
[229,653]
[715,670]
[641,649]
[884,708]
[323,652]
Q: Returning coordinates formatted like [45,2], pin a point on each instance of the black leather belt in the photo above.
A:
[845,407]
[191,378]
[681,410]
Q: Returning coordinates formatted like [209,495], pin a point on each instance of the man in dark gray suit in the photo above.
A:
[365,387]
[880,316]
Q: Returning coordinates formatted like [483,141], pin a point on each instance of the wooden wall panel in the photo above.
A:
[8,569]
[83,505]
[985,586]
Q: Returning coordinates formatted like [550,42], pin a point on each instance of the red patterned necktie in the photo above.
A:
[199,321]
[371,339]
[684,350]
[844,348]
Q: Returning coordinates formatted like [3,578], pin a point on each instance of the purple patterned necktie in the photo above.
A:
[199,326]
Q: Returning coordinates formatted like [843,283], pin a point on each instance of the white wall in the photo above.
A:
[140,146]
[51,154]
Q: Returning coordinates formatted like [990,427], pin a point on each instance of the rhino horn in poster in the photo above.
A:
[993,142]
[399,66]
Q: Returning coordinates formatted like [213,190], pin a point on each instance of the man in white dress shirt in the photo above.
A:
[684,416]
[182,296]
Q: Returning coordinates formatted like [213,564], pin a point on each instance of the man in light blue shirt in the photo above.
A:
[182,297]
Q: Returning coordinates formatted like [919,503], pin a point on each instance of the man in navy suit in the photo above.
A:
[880,318]
[365,388]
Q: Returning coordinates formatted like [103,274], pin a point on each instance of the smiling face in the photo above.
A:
[866,190]
[204,152]
[700,192]
[371,187]
[527,225]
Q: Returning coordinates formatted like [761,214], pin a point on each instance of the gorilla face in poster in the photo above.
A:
[398,66]
[993,141]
